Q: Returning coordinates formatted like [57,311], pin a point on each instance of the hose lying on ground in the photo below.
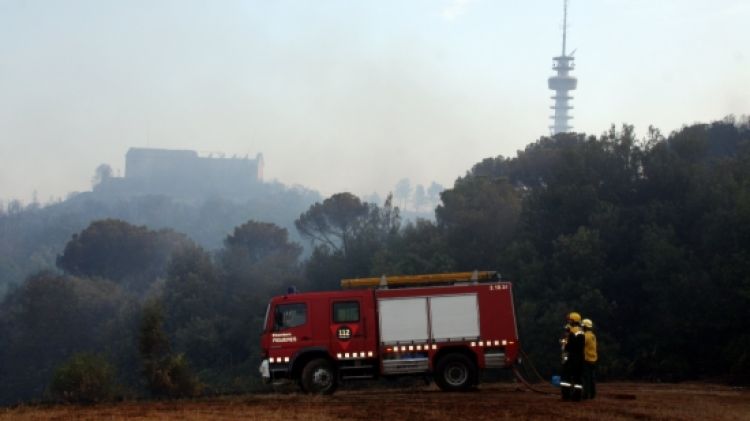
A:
[525,382]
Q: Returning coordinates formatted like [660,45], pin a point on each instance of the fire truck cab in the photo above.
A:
[451,326]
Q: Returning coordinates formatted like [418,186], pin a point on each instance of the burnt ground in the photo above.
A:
[616,401]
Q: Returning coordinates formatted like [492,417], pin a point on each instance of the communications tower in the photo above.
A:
[562,84]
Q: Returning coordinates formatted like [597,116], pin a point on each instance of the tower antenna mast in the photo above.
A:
[565,24]
[562,83]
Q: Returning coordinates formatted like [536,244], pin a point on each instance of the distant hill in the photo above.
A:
[204,198]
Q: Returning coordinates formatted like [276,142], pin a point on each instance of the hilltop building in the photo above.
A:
[184,174]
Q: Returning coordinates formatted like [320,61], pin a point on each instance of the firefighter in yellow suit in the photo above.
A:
[590,357]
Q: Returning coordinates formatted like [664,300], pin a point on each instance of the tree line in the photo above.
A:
[32,236]
[647,237]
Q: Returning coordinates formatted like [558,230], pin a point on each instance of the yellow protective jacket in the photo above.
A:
[589,348]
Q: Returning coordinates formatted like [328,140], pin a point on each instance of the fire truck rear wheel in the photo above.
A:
[318,377]
[455,372]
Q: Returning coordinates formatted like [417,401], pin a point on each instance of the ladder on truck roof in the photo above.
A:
[420,280]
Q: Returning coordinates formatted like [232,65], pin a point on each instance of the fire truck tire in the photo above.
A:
[318,377]
[455,373]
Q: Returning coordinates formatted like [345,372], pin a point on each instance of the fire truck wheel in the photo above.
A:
[455,372]
[318,377]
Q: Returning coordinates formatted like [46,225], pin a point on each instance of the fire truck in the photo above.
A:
[450,326]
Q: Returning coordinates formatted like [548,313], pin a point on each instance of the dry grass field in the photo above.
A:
[617,401]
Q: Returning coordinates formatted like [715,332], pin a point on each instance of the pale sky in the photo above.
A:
[345,95]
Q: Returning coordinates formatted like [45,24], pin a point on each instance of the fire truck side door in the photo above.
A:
[291,326]
[348,326]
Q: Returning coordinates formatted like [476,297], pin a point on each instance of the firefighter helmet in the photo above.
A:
[574,317]
[587,323]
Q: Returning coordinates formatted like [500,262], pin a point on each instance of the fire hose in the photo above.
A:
[525,382]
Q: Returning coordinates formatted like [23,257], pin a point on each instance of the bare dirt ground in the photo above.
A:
[506,401]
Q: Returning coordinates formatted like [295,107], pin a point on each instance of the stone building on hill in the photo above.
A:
[184,174]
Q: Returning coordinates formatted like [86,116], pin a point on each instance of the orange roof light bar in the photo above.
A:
[406,280]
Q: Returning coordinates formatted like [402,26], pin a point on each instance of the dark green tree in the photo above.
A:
[258,261]
[50,318]
[334,222]
[478,218]
[369,230]
[167,374]
[133,256]
[192,302]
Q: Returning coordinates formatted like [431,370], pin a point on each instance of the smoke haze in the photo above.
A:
[338,95]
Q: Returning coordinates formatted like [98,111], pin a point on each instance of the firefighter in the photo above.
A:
[571,383]
[590,357]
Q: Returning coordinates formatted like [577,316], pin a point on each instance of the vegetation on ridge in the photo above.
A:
[649,238]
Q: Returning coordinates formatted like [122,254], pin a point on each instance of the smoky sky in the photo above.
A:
[341,95]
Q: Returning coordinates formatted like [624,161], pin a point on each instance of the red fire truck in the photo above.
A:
[450,325]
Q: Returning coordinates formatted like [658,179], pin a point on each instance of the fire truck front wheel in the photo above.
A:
[318,377]
[455,372]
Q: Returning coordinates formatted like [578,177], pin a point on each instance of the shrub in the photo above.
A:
[84,378]
[172,377]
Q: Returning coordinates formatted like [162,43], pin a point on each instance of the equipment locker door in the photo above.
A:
[349,328]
